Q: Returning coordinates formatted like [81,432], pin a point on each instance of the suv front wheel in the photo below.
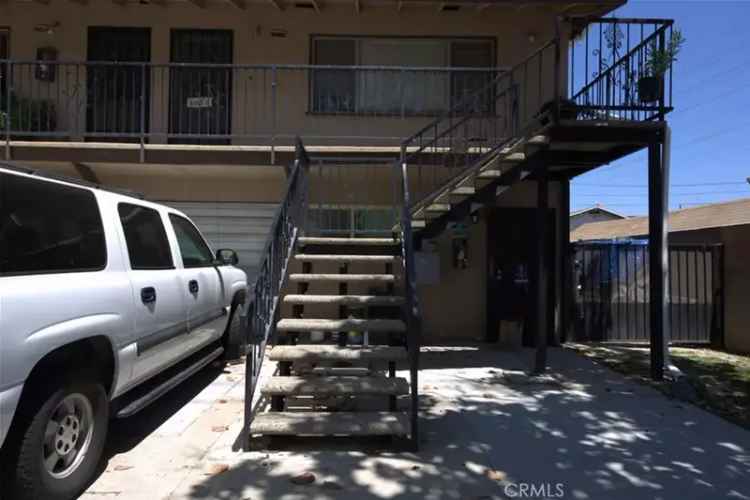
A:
[62,442]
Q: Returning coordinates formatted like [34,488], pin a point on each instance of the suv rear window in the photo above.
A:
[47,227]
[148,247]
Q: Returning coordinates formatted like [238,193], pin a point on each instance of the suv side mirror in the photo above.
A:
[227,257]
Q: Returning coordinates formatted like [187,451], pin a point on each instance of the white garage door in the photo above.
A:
[243,227]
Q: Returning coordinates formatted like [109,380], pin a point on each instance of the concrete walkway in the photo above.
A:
[488,431]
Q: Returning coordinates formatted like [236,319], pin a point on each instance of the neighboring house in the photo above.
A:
[727,223]
[478,113]
[597,213]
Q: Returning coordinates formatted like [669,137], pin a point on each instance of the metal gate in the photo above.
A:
[118,95]
[611,293]
[200,102]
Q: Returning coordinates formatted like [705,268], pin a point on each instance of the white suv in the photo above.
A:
[106,302]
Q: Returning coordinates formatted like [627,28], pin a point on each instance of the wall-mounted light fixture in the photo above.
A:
[48,28]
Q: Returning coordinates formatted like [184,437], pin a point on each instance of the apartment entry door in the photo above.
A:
[117,93]
[200,104]
[512,238]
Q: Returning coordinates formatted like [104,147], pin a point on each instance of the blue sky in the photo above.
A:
[711,121]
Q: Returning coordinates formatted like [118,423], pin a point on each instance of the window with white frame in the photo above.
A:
[397,76]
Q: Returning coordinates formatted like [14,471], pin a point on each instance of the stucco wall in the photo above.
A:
[456,307]
[511,28]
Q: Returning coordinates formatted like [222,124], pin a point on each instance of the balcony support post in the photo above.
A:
[564,298]
[658,191]
[558,67]
[542,207]
[7,109]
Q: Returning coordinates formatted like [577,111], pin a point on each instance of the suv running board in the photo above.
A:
[155,392]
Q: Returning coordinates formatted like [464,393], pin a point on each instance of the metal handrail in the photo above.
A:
[262,308]
[411,310]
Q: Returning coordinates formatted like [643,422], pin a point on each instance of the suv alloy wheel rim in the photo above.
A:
[67,436]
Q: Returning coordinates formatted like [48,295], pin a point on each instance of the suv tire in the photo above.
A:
[61,441]
[233,342]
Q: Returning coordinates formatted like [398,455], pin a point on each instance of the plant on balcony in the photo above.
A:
[658,62]
[26,115]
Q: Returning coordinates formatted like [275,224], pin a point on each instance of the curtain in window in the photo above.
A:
[403,91]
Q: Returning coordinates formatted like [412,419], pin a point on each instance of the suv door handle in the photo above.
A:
[148,295]
[193,286]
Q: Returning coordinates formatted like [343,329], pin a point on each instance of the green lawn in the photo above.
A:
[721,380]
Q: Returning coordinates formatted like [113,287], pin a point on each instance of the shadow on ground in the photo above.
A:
[487,427]
[127,433]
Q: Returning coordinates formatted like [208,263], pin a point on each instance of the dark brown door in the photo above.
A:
[512,278]
[118,92]
[200,105]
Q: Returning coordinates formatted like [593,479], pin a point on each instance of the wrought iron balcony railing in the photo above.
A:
[223,103]
[616,69]
[621,69]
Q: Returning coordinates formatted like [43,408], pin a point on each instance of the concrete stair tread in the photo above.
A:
[346,300]
[490,174]
[345,371]
[512,157]
[339,325]
[439,207]
[328,424]
[464,191]
[312,240]
[302,352]
[379,278]
[335,386]
[345,258]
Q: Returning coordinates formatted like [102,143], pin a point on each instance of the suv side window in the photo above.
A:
[145,236]
[47,227]
[195,252]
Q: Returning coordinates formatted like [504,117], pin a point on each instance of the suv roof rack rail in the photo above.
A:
[72,180]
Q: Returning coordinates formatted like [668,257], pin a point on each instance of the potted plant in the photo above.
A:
[658,61]
[28,115]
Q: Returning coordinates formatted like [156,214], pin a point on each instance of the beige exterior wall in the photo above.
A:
[510,27]
[456,307]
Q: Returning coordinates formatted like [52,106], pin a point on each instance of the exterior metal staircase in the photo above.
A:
[339,337]
[340,324]
[329,387]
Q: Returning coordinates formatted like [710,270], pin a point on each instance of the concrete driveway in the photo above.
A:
[488,431]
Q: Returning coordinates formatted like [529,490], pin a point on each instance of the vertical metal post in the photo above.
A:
[723,295]
[566,273]
[658,180]
[542,202]
[143,113]
[662,110]
[556,77]
[7,109]
[273,114]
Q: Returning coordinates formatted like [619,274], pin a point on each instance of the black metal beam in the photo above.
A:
[635,134]
[581,158]
[542,207]
[658,182]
